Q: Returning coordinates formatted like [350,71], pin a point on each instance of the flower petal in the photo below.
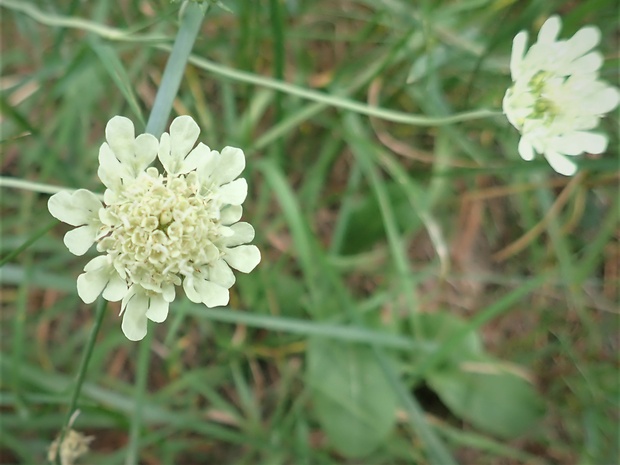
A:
[111,171]
[584,40]
[158,309]
[242,234]
[561,163]
[578,142]
[183,135]
[230,165]
[243,258]
[75,208]
[116,288]
[549,30]
[134,308]
[526,150]
[234,193]
[168,292]
[91,283]
[230,214]
[195,157]
[199,290]
[518,51]
[145,151]
[207,165]
[590,62]
[221,274]
[79,240]
[120,134]
[163,153]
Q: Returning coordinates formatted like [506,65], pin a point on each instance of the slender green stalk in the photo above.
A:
[29,185]
[277,30]
[193,17]
[31,240]
[90,344]
[71,22]
[133,449]
[175,68]
[336,101]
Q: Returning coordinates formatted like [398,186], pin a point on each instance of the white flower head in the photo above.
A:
[557,99]
[158,231]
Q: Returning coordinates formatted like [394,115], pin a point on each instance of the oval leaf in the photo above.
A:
[353,401]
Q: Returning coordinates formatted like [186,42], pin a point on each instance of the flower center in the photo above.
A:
[544,108]
[160,228]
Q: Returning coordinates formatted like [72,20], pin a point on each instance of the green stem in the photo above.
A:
[101,306]
[336,101]
[133,451]
[193,16]
[31,240]
[30,186]
[175,68]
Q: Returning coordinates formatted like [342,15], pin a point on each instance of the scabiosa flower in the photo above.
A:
[158,231]
[557,98]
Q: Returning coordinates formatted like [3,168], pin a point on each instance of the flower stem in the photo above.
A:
[31,240]
[175,68]
[101,306]
[133,451]
[29,185]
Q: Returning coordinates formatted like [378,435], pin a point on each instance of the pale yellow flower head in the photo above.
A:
[557,98]
[158,231]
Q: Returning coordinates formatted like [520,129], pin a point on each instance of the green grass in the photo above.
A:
[382,325]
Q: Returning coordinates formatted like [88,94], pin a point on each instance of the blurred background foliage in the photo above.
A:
[425,296]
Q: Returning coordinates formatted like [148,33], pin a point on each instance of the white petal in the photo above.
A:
[91,284]
[164,153]
[580,141]
[183,135]
[75,208]
[231,214]
[189,286]
[120,134]
[97,263]
[200,290]
[100,273]
[602,102]
[590,62]
[80,239]
[145,151]
[111,171]
[234,193]
[526,150]
[195,157]
[158,309]
[584,40]
[213,295]
[231,164]
[518,50]
[242,234]
[134,309]
[243,258]
[116,288]
[550,29]
[560,163]
[168,292]
[207,165]
[220,273]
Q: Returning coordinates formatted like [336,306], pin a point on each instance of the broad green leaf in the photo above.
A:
[353,401]
[440,327]
[491,395]
[365,227]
